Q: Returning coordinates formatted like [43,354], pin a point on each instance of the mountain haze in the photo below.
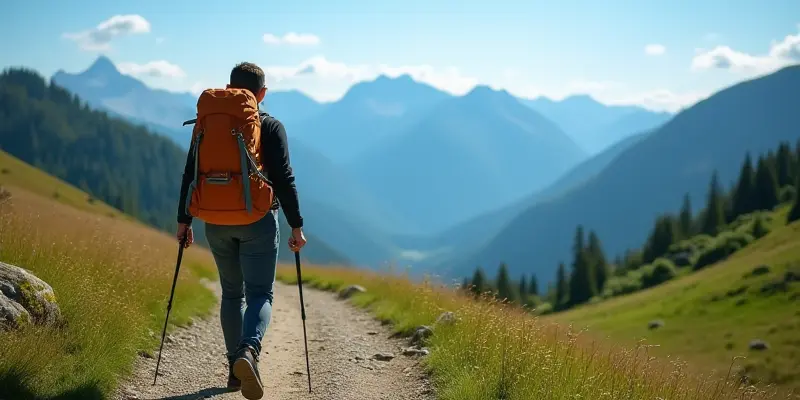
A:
[469,155]
[367,114]
[651,177]
[594,125]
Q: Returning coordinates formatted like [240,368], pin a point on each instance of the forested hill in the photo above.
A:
[123,164]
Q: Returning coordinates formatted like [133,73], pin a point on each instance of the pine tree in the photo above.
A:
[685,220]
[533,288]
[478,282]
[465,284]
[523,290]
[745,189]
[766,187]
[598,259]
[581,283]
[785,165]
[714,213]
[562,287]
[503,283]
[794,214]
[664,235]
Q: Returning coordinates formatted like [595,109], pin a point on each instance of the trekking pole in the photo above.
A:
[303,313]
[169,304]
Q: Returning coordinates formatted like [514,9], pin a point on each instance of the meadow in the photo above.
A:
[713,314]
[111,277]
[497,351]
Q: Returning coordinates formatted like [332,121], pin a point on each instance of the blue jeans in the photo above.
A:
[246,256]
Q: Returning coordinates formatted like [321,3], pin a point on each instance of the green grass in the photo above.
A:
[494,351]
[16,173]
[711,315]
[111,279]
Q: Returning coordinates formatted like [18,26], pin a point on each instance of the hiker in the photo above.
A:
[241,214]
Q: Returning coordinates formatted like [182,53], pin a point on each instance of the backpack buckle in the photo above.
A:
[218,178]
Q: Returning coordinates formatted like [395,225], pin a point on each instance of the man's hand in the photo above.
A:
[185,230]
[297,240]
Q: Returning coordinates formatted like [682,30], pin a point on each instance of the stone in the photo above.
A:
[351,290]
[447,317]
[24,298]
[655,324]
[413,351]
[383,357]
[758,344]
[420,334]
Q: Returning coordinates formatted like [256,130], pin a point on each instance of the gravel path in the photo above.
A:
[342,341]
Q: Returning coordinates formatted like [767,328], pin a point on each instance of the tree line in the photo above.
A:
[125,165]
[729,220]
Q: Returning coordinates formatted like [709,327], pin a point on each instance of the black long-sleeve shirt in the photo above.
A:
[275,159]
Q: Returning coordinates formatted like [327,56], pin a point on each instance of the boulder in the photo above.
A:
[349,291]
[655,324]
[383,357]
[420,334]
[446,318]
[24,298]
[414,351]
[758,344]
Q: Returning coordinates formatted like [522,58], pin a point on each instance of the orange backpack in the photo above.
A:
[229,187]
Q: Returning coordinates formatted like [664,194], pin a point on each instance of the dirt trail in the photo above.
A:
[342,341]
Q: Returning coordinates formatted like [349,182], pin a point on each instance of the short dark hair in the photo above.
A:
[248,76]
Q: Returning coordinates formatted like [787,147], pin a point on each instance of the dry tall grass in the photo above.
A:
[111,279]
[494,351]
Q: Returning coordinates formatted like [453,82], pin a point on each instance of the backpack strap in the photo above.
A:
[195,153]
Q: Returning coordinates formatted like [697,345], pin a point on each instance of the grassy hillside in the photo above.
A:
[711,316]
[111,279]
[15,172]
[489,351]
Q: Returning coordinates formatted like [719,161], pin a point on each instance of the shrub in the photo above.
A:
[542,309]
[760,228]
[726,244]
[787,194]
[661,271]
[621,285]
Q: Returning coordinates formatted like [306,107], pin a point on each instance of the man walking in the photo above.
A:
[237,160]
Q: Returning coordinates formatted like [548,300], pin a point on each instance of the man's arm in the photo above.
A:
[275,157]
[188,175]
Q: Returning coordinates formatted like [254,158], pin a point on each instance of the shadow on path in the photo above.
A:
[206,393]
[13,386]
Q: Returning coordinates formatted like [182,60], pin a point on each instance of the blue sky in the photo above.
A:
[527,47]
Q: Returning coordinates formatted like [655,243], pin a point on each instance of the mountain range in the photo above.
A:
[650,177]
[399,171]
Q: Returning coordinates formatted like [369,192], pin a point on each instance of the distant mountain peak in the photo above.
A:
[102,66]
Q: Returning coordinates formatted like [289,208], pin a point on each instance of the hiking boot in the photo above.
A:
[245,368]
[234,383]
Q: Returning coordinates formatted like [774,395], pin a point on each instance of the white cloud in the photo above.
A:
[781,54]
[321,70]
[327,80]
[655,49]
[154,69]
[197,88]
[658,99]
[292,39]
[99,38]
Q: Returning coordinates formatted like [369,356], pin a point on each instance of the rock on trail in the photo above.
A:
[342,342]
